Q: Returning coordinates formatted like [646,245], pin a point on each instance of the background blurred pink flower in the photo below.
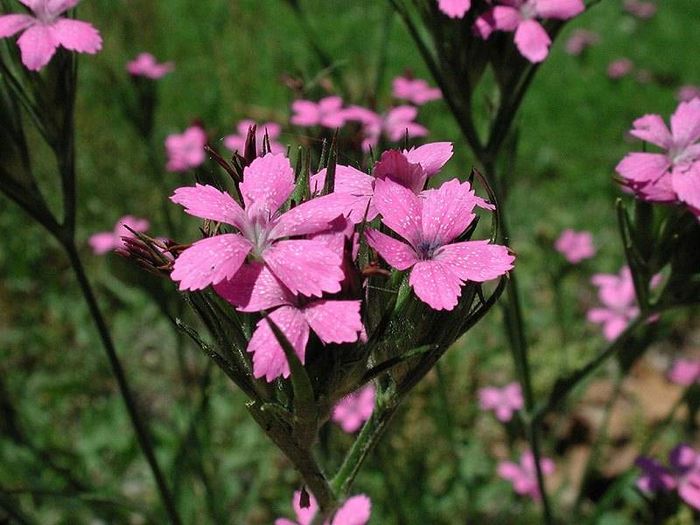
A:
[503,401]
[186,150]
[355,511]
[687,93]
[640,8]
[104,242]
[620,68]
[46,30]
[579,40]
[683,474]
[685,372]
[416,90]
[327,112]
[237,142]
[454,8]
[523,476]
[575,246]
[354,409]
[146,65]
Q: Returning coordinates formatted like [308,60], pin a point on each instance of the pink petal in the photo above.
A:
[355,511]
[600,315]
[304,516]
[642,168]
[56,7]
[476,261]
[398,254]
[253,289]
[652,128]
[505,18]
[76,35]
[37,45]
[614,327]
[104,242]
[13,24]
[504,413]
[305,266]
[447,212]
[689,489]
[685,123]
[489,397]
[454,8]
[268,356]
[207,202]
[435,284]
[313,216]
[532,41]
[306,113]
[210,261]
[400,208]
[268,181]
[285,521]
[509,471]
[395,166]
[432,157]
[397,121]
[355,183]
[334,321]
[687,185]
[559,9]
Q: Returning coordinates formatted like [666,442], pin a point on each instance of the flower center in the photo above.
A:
[426,249]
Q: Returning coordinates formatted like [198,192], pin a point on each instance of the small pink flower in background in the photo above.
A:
[673,174]
[416,90]
[503,401]
[685,372]
[519,16]
[146,65]
[47,29]
[580,40]
[640,8]
[454,8]
[354,409]
[688,93]
[575,246]
[430,223]
[104,242]
[186,150]
[396,124]
[327,112]
[523,476]
[683,474]
[620,68]
[237,142]
[355,511]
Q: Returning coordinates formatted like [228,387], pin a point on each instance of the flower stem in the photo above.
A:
[142,435]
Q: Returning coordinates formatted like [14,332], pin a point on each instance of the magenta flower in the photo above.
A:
[687,93]
[619,300]
[395,124]
[454,8]
[580,40]
[685,372]
[430,223]
[237,142]
[531,39]
[575,246]
[46,30]
[186,150]
[503,401]
[416,90]
[620,68]
[523,476]
[104,242]
[354,409]
[254,288]
[655,477]
[355,511]
[640,9]
[671,175]
[327,112]
[304,266]
[146,65]
[683,474]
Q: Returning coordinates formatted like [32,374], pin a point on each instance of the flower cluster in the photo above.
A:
[682,474]
[186,150]
[355,511]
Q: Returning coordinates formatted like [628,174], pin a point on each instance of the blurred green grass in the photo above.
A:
[230,56]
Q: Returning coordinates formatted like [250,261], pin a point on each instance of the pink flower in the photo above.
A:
[354,409]
[683,474]
[395,124]
[454,8]
[520,16]
[355,511]
[640,9]
[524,476]
[503,401]
[430,223]
[304,266]
[327,112]
[580,40]
[46,30]
[655,477]
[685,372]
[575,246]
[417,91]
[673,174]
[237,142]
[254,288]
[186,150]
[146,65]
[104,242]
[688,93]
[620,68]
